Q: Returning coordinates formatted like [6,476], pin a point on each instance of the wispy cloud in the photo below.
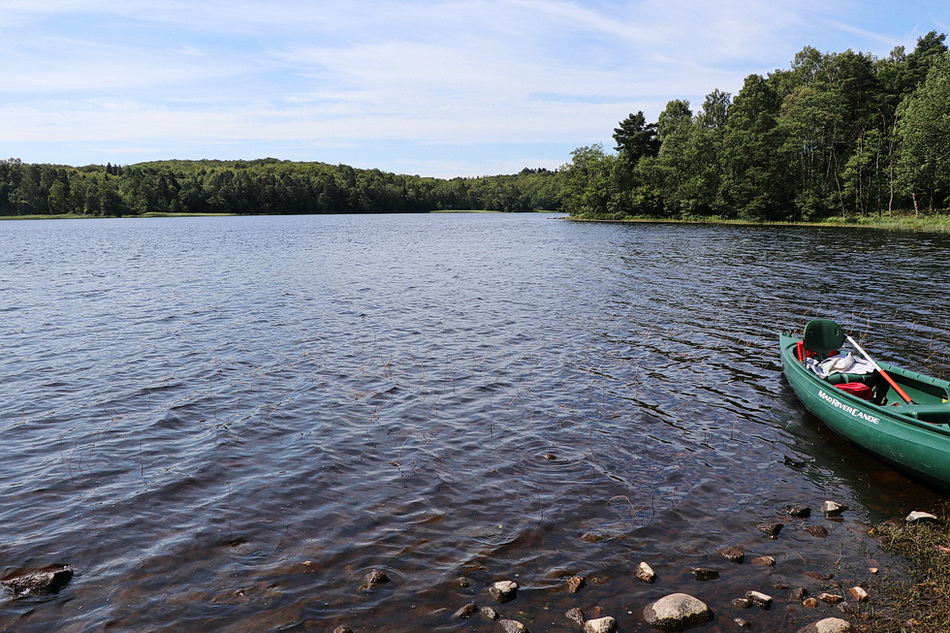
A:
[394,84]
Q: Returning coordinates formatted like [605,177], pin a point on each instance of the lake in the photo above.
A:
[225,424]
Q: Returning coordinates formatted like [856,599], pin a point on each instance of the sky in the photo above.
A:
[438,88]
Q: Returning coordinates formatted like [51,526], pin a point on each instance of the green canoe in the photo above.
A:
[913,436]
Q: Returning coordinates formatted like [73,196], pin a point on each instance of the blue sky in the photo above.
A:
[437,88]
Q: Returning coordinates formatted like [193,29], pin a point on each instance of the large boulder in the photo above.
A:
[677,612]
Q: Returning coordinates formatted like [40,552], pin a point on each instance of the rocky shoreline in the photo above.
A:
[677,610]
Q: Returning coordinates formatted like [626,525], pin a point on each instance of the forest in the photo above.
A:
[266,186]
[837,134]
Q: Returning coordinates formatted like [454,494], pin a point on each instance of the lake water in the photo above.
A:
[224,424]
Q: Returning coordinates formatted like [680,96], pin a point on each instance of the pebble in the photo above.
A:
[513,626]
[771,529]
[704,573]
[768,561]
[828,625]
[600,625]
[799,511]
[646,573]
[733,554]
[467,611]
[759,599]
[830,598]
[817,530]
[920,517]
[832,508]
[574,583]
[576,615]
[504,590]
[489,612]
[858,593]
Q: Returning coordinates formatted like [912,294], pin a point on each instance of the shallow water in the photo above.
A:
[226,423]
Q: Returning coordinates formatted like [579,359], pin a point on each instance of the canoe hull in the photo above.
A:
[894,433]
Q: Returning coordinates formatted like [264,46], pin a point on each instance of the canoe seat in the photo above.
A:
[822,336]
[936,413]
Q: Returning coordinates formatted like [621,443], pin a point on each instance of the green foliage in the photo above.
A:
[835,135]
[266,186]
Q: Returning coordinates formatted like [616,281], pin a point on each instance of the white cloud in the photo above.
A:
[312,77]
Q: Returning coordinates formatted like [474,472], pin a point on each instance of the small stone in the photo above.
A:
[704,573]
[504,590]
[759,599]
[574,583]
[676,612]
[768,561]
[798,594]
[742,603]
[489,612]
[828,625]
[375,577]
[342,629]
[513,626]
[809,603]
[646,573]
[743,624]
[576,615]
[600,625]
[463,582]
[873,570]
[733,554]
[859,594]
[920,517]
[817,530]
[830,598]
[771,529]
[832,508]
[46,580]
[819,576]
[467,611]
[798,511]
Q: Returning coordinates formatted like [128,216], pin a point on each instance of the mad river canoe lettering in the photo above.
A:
[855,412]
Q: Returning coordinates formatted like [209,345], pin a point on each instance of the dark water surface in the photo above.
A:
[224,424]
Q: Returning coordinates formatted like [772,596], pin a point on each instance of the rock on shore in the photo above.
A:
[677,612]
[39,581]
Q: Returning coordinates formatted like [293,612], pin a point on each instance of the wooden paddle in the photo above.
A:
[886,376]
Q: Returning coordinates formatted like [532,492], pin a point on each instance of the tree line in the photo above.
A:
[837,134]
[266,186]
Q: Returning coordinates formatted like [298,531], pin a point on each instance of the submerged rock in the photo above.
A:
[467,611]
[374,578]
[704,573]
[676,612]
[46,580]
